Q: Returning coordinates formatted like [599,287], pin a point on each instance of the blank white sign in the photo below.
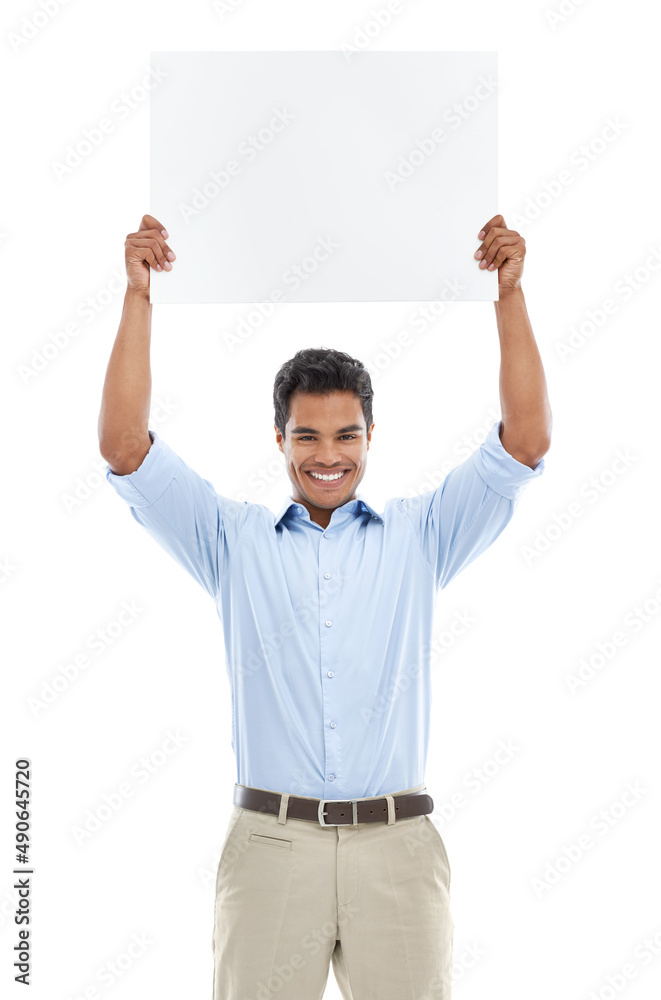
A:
[311,177]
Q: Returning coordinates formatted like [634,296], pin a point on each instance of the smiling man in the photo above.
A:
[330,855]
[327,461]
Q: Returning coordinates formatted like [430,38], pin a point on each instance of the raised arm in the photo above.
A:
[524,402]
[123,419]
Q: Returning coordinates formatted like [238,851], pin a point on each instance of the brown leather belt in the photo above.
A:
[334,812]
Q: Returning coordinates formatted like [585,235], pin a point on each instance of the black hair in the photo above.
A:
[320,370]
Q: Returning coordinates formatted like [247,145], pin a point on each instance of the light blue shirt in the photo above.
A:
[327,632]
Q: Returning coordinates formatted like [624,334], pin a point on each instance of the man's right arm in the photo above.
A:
[179,508]
[123,432]
[123,419]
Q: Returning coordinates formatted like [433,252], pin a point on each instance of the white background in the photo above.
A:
[66,570]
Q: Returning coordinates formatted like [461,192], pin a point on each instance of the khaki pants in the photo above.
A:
[293,896]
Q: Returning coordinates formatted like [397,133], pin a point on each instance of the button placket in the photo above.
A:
[328,647]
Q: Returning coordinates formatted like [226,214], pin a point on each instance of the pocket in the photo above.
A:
[277,842]
[439,840]
[235,816]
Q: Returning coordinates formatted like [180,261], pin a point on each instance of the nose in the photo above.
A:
[328,456]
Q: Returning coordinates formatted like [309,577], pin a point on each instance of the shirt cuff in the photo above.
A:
[500,470]
[150,479]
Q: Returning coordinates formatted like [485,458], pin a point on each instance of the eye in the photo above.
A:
[303,437]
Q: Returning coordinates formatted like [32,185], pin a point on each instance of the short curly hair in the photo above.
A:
[320,370]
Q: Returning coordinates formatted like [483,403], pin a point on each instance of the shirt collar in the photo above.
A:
[357,506]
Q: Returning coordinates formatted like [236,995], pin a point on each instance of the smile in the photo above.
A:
[331,477]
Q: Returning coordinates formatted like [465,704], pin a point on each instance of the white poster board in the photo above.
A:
[311,177]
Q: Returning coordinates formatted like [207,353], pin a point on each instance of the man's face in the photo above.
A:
[325,435]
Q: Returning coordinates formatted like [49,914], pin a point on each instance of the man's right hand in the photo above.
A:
[144,249]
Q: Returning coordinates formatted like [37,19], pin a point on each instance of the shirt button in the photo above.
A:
[329,622]
[331,674]
[375,517]
[300,510]
[326,535]
[333,725]
[331,777]
[326,576]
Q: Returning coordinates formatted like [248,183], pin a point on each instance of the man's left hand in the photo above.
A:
[504,249]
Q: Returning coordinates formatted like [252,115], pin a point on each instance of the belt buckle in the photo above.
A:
[320,811]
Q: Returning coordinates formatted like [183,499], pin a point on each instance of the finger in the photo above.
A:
[157,235]
[494,233]
[506,253]
[153,239]
[149,222]
[148,250]
[160,260]
[496,250]
[496,246]
[496,221]
[146,254]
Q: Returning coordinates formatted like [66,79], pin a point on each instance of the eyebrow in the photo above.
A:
[311,430]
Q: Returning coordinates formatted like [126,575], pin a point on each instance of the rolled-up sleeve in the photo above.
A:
[462,517]
[182,512]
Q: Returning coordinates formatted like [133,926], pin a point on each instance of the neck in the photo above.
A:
[321,515]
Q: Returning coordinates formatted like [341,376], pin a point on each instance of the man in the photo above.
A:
[327,610]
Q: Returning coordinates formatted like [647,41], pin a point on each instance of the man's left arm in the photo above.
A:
[524,403]
[463,516]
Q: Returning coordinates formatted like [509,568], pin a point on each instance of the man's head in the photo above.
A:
[323,423]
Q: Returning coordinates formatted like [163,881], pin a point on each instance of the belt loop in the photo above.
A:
[284,802]
[391,809]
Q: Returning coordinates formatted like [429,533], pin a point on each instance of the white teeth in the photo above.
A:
[327,479]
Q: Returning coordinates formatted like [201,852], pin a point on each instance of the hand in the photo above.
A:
[144,249]
[504,249]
